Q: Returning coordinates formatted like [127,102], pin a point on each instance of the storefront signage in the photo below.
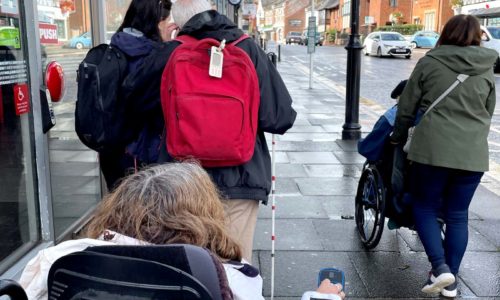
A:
[22,99]
[13,71]
[48,33]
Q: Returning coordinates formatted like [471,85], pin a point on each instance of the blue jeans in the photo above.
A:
[446,193]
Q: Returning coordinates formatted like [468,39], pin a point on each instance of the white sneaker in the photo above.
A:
[438,280]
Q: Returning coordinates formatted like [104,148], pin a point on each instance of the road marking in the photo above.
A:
[299,59]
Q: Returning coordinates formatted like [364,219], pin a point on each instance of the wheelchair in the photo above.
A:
[176,271]
[370,205]
[375,201]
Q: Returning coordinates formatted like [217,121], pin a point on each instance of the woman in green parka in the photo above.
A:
[449,149]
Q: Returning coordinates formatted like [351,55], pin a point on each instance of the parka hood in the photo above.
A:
[211,24]
[471,60]
[132,45]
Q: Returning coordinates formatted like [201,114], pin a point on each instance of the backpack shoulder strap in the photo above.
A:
[186,39]
[240,39]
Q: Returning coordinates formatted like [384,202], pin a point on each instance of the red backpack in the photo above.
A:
[213,120]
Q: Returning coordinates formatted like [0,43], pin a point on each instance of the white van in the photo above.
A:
[491,39]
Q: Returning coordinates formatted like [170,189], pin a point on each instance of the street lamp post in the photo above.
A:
[351,128]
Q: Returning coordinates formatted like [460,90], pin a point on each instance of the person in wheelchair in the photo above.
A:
[174,203]
[390,162]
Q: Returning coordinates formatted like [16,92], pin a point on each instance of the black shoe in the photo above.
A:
[439,278]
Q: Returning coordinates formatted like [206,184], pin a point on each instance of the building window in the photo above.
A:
[346,9]
[430,21]
[393,3]
[295,22]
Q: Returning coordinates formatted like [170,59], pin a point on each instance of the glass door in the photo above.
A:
[18,204]
[65,37]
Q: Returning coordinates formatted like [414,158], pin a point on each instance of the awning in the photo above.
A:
[485,12]
[329,4]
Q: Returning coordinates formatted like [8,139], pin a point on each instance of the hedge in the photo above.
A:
[406,29]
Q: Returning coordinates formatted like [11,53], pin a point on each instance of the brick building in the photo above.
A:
[387,12]
[295,15]
[433,14]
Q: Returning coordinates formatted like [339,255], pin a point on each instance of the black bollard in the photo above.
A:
[279,52]
[351,128]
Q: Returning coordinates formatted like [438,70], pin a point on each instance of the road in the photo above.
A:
[378,77]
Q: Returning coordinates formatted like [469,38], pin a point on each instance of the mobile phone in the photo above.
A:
[335,276]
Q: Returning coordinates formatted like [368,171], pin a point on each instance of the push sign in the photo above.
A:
[311,35]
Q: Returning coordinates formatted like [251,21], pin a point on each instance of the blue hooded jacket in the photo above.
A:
[136,46]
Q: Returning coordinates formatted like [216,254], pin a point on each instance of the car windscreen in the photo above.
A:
[392,37]
[495,32]
[294,33]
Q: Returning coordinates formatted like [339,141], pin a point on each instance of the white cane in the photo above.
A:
[273,212]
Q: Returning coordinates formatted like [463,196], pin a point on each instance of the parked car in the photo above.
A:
[387,43]
[82,41]
[320,39]
[424,39]
[293,37]
[491,39]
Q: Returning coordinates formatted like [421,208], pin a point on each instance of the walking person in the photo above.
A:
[145,26]
[244,185]
[449,148]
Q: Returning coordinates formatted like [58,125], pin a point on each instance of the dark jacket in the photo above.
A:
[116,165]
[276,115]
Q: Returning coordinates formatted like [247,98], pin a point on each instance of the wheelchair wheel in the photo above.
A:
[370,207]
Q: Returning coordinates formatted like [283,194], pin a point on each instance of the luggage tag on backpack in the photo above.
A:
[216,60]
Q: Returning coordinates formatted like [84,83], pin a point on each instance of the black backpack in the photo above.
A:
[100,116]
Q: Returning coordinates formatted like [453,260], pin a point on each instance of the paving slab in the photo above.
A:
[313,158]
[350,158]
[281,157]
[489,229]
[75,169]
[348,146]
[334,127]
[302,128]
[295,207]
[333,170]
[481,273]
[327,186]
[291,234]
[308,137]
[477,242]
[392,274]
[342,235]
[287,186]
[302,146]
[75,185]
[485,204]
[290,170]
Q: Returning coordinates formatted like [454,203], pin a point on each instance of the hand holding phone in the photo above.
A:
[334,275]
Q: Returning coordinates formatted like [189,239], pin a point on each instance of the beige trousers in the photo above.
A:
[241,217]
